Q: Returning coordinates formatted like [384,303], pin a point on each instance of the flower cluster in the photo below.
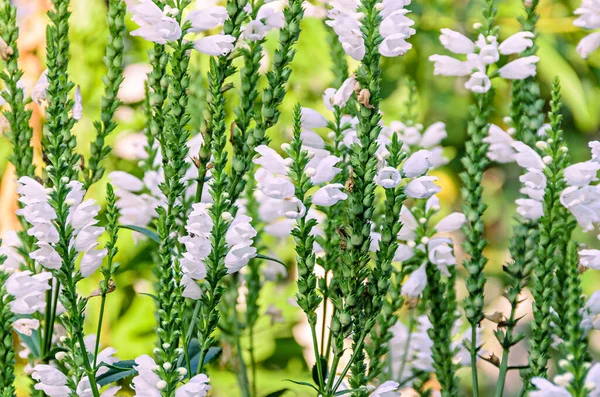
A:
[588,18]
[344,17]
[82,218]
[480,55]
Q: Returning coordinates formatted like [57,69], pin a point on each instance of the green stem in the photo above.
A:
[99,330]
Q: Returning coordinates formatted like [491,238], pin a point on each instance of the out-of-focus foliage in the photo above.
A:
[130,318]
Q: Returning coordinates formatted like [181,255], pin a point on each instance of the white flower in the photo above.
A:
[196,387]
[581,174]
[588,44]
[271,160]
[479,83]
[341,96]
[255,30]
[276,187]
[526,157]
[271,18]
[240,231]
[238,256]
[456,42]
[144,383]
[590,258]
[394,45]
[311,140]
[210,18]
[29,291]
[409,225]
[441,254]
[125,181]
[9,248]
[545,388]
[433,135]
[520,68]
[91,260]
[325,170]
[216,45]
[403,253]
[417,164]
[444,65]
[516,43]
[530,209]
[388,177]
[329,195]
[26,325]
[154,25]
[77,111]
[422,187]
[38,94]
[312,119]
[452,222]
[416,283]
[595,148]
[589,15]
[293,208]
[191,290]
[50,380]
[384,388]
[500,145]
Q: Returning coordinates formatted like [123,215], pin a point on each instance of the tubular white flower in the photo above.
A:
[441,254]
[50,380]
[276,187]
[433,135]
[451,223]
[144,383]
[417,164]
[196,387]
[29,291]
[456,42]
[325,170]
[77,111]
[312,119]
[530,209]
[270,160]
[588,44]
[9,248]
[500,145]
[215,45]
[26,326]
[388,177]
[154,25]
[582,174]
[238,256]
[209,18]
[545,388]
[403,253]
[385,388]
[516,43]
[341,96]
[38,94]
[255,30]
[526,157]
[422,187]
[329,195]
[409,225]
[448,66]
[519,69]
[479,83]
[590,258]
[415,284]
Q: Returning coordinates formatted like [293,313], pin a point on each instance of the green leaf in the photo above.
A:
[278,393]
[342,392]
[212,353]
[324,370]
[32,342]
[146,232]
[117,371]
[269,258]
[150,295]
[303,384]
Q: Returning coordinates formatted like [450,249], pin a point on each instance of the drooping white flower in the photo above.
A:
[277,187]
[388,178]
[343,94]
[238,256]
[479,83]
[451,223]
[254,31]
[29,291]
[529,208]
[415,284]
[433,135]
[516,43]
[50,380]
[444,65]
[144,383]
[500,145]
[38,94]
[9,248]
[588,44]
[154,25]
[422,187]
[394,45]
[590,258]
[77,111]
[545,388]
[216,45]
[385,388]
[26,326]
[441,254]
[312,119]
[456,42]
[196,387]
[526,157]
[329,195]
[271,160]
[210,18]
[409,225]
[581,174]
[403,253]
[325,170]
[417,164]
[520,68]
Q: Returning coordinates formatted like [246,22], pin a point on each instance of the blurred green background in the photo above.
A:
[130,317]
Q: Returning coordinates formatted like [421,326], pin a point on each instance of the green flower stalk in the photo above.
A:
[475,162]
[59,144]
[556,226]
[575,351]
[173,141]
[113,60]
[7,353]
[272,97]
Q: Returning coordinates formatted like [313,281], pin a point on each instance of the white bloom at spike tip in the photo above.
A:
[519,69]
[216,45]
[581,174]
[388,178]
[209,18]
[456,42]
[417,164]
[154,25]
[451,223]
[422,187]
[50,380]
[415,284]
[329,195]
[516,43]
